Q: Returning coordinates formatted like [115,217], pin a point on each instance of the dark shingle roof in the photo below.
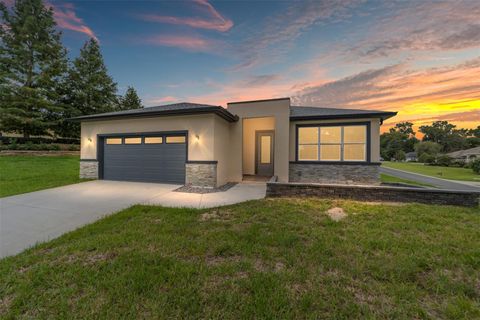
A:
[181,108]
[306,113]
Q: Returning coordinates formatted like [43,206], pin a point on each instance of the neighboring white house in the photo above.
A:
[411,156]
[468,155]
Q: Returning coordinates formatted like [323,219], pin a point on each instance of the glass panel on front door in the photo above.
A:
[265,148]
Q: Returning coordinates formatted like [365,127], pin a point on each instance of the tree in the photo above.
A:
[405,128]
[427,147]
[32,63]
[426,158]
[475,132]
[446,135]
[131,100]
[401,137]
[399,155]
[476,166]
[88,88]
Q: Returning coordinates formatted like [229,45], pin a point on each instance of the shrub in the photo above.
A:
[38,140]
[426,158]
[73,147]
[427,147]
[459,163]
[444,161]
[54,147]
[399,155]
[475,166]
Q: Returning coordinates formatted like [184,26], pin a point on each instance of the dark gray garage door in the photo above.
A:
[159,158]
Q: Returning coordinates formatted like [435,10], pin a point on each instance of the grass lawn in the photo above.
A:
[391,179]
[435,171]
[21,174]
[281,258]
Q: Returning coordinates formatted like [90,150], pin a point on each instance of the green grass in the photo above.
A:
[21,174]
[275,259]
[385,178]
[435,171]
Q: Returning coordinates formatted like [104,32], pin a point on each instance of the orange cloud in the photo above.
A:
[215,22]
[66,18]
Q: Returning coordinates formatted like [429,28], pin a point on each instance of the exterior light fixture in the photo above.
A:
[89,139]
[197,136]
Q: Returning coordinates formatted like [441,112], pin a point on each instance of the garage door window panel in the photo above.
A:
[176,139]
[114,140]
[136,140]
[153,140]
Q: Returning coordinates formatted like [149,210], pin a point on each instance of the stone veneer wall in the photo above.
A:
[88,169]
[200,174]
[335,173]
[374,193]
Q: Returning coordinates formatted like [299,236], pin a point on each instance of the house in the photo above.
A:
[466,156]
[208,146]
[411,156]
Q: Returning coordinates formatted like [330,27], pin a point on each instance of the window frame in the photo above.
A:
[367,125]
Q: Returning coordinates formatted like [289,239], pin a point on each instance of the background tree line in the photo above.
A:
[39,86]
[439,138]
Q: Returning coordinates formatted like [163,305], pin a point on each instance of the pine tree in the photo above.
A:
[131,100]
[32,63]
[88,89]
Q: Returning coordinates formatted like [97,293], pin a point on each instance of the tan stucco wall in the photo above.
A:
[374,134]
[280,111]
[221,147]
[249,128]
[202,125]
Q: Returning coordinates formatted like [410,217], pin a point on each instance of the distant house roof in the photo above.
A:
[412,154]
[308,113]
[463,153]
[165,110]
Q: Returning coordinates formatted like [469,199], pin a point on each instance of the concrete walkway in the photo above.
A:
[34,217]
[437,182]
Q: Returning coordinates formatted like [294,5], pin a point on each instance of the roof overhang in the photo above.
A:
[379,115]
[219,111]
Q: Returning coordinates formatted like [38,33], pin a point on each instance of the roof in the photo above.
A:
[463,153]
[187,108]
[254,101]
[411,154]
[182,108]
[313,113]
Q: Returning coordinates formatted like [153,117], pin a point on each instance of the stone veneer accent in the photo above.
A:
[374,193]
[88,169]
[335,173]
[201,174]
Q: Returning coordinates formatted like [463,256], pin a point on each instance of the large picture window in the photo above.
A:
[332,143]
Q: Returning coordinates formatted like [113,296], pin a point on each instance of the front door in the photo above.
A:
[264,153]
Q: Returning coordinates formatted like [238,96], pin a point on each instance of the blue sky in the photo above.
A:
[420,58]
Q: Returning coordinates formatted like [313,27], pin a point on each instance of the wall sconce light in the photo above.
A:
[89,139]
[198,137]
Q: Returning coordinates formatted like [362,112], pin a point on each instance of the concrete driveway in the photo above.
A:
[34,217]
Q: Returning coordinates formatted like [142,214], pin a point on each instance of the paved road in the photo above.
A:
[437,182]
[29,218]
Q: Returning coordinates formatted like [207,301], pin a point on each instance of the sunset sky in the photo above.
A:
[419,58]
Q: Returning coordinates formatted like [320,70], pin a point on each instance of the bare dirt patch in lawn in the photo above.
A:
[218,260]
[217,214]
[336,213]
[5,303]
